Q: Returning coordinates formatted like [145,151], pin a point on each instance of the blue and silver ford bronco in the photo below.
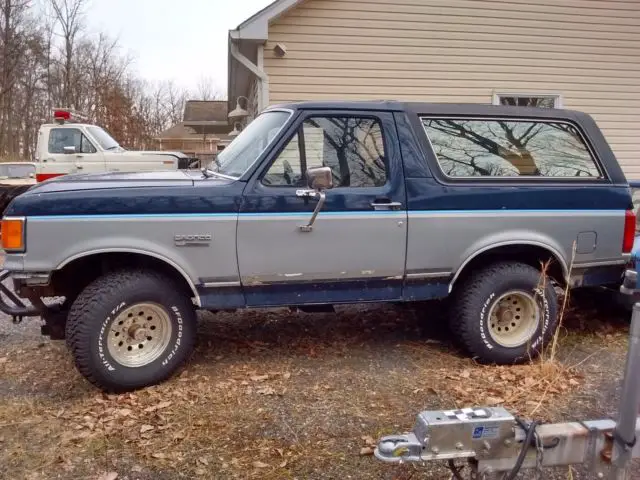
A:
[317,204]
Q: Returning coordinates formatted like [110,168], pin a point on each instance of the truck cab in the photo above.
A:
[71,145]
[317,204]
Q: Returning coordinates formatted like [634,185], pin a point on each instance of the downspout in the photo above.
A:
[263,97]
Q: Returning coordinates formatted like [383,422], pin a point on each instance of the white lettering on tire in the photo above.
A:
[178,342]
[103,327]
[483,333]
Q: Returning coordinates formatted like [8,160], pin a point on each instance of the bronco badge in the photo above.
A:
[195,240]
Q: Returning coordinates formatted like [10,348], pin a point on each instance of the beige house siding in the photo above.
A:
[466,50]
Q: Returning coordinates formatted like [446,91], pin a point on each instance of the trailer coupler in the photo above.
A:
[16,308]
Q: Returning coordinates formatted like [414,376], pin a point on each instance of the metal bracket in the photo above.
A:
[321,196]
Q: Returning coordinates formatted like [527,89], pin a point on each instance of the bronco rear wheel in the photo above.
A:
[505,313]
[130,329]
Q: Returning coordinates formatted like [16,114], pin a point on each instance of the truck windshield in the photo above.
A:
[245,149]
[105,140]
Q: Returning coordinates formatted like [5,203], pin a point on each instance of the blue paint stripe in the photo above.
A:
[337,214]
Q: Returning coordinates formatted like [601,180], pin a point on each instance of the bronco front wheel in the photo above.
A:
[130,329]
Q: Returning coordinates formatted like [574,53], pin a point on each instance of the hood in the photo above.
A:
[137,153]
[107,180]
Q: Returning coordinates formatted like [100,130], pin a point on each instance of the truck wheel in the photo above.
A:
[505,313]
[130,329]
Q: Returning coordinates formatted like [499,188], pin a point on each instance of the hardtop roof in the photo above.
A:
[440,109]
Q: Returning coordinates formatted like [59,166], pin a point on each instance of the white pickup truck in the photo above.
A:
[68,146]
[72,145]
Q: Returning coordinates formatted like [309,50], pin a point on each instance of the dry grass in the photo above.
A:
[270,395]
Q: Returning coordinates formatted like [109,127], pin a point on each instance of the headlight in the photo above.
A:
[13,234]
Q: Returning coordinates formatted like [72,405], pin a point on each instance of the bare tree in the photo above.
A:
[206,90]
[69,15]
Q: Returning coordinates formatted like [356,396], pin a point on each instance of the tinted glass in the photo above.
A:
[352,147]
[497,148]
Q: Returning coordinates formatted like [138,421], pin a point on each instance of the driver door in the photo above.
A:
[71,151]
[355,250]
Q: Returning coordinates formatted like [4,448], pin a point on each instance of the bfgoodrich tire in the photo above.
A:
[130,329]
[505,313]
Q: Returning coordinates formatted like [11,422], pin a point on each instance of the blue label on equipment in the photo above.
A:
[485,431]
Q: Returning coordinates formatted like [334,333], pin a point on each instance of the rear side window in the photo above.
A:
[506,148]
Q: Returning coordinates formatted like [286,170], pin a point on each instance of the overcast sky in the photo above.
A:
[174,39]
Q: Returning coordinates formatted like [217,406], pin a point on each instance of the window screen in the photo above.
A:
[505,148]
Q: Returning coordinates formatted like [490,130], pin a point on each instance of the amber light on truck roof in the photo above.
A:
[13,234]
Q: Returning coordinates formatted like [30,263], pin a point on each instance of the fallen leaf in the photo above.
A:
[266,391]
[574,382]
[200,471]
[259,378]
[368,440]
[203,461]
[465,374]
[146,428]
[283,464]
[366,451]
[158,455]
[259,464]
[124,412]
[494,400]
[162,405]
[108,476]
[4,359]
[136,469]
[287,375]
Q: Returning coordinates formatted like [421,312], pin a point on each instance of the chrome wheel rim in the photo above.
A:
[513,319]
[139,334]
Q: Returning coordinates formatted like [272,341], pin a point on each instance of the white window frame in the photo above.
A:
[557,97]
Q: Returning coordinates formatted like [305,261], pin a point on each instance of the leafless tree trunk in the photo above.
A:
[69,14]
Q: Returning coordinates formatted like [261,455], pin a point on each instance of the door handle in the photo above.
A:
[385,204]
[80,167]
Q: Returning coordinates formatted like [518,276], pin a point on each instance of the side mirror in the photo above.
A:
[320,178]
[70,149]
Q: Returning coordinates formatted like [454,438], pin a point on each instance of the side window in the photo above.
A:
[351,146]
[69,137]
[505,148]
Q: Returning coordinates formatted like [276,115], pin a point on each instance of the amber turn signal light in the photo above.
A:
[13,234]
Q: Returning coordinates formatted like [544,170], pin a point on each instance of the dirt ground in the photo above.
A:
[287,395]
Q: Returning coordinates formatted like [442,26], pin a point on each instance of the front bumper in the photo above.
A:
[12,305]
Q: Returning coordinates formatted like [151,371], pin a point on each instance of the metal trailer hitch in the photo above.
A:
[18,310]
[497,445]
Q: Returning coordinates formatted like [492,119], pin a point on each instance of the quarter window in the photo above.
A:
[69,137]
[505,148]
[352,147]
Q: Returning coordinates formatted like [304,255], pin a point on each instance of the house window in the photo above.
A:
[351,146]
[508,148]
[518,100]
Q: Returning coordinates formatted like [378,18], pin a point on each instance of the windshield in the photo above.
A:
[245,149]
[103,138]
